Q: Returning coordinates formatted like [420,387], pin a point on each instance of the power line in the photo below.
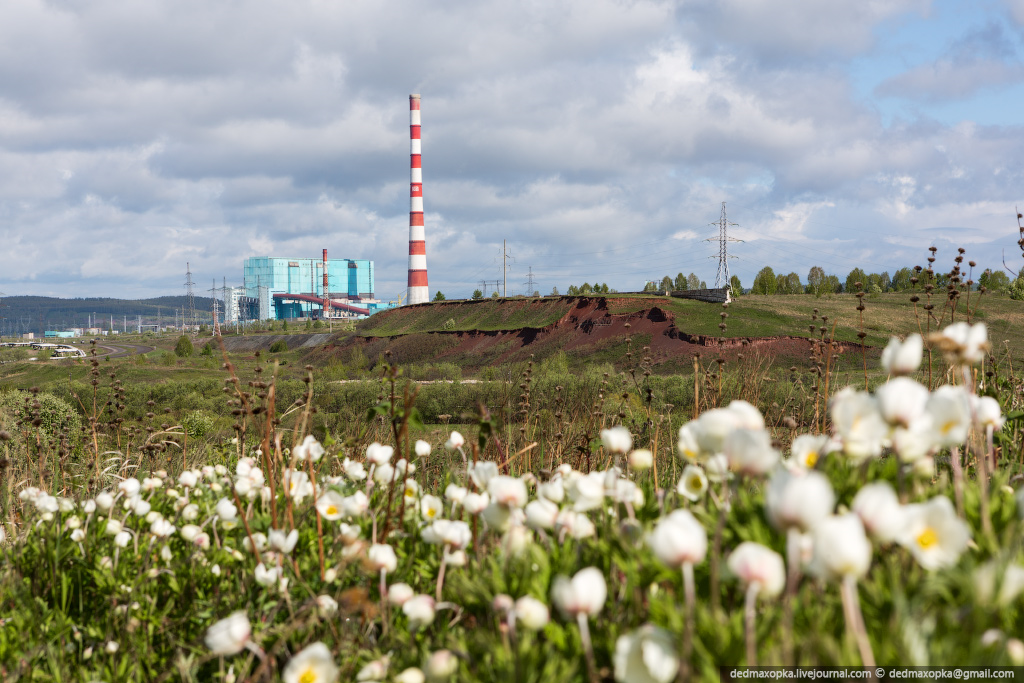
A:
[722,277]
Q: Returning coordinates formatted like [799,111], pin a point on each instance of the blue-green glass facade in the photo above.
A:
[266,276]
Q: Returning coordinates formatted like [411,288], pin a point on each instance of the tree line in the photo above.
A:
[819,282]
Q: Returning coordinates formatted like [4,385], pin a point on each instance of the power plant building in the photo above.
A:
[288,288]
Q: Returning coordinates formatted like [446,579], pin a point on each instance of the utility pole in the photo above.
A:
[723,239]
[504,267]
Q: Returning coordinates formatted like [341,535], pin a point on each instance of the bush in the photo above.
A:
[1017,289]
[197,424]
[449,324]
[55,414]
[184,348]
[279,346]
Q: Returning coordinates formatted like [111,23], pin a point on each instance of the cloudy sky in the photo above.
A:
[598,137]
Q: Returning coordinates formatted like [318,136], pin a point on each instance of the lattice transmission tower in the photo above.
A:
[190,306]
[723,239]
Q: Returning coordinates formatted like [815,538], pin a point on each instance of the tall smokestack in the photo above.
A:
[418,291]
[327,300]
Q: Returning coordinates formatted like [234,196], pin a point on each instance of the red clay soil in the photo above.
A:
[586,329]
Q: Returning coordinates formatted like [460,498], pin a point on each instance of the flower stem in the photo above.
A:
[690,590]
[855,620]
[588,648]
[792,580]
[750,612]
[958,480]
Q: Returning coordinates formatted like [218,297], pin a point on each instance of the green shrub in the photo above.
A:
[279,346]
[197,424]
[55,414]
[184,348]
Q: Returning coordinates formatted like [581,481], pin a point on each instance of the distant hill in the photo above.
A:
[20,314]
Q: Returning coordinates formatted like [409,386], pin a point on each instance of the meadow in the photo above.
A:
[248,517]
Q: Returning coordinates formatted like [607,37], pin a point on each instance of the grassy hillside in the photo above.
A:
[749,316]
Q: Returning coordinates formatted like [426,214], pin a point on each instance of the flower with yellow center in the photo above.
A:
[312,665]
[331,505]
[807,449]
[431,507]
[693,484]
[934,534]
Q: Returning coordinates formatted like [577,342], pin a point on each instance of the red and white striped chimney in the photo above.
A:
[418,290]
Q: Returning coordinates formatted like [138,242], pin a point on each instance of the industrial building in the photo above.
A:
[278,288]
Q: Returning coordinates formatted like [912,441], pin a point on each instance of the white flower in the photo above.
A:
[497,517]
[903,358]
[226,510]
[1010,587]
[104,501]
[950,409]
[400,593]
[113,527]
[553,489]
[576,524]
[880,511]
[379,454]
[798,499]
[750,451]
[679,539]
[754,563]
[384,474]
[309,449]
[454,493]
[934,534]
[326,606]
[161,528]
[381,557]
[122,538]
[355,505]
[111,647]
[349,533]
[312,665]
[420,611]
[693,484]
[375,671]
[531,613]
[987,412]
[267,577]
[129,487]
[901,401]
[190,512]
[454,441]
[188,479]
[353,470]
[456,534]
[481,472]
[508,491]
[422,448]
[689,447]
[297,485]
[584,594]
[859,425]
[475,503]
[717,468]
[841,548]
[331,505]
[641,459]
[807,449]
[229,636]
[541,514]
[411,675]
[431,507]
[189,532]
[586,491]
[617,439]
[647,655]
[441,665]
[412,489]
[962,343]
[285,542]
